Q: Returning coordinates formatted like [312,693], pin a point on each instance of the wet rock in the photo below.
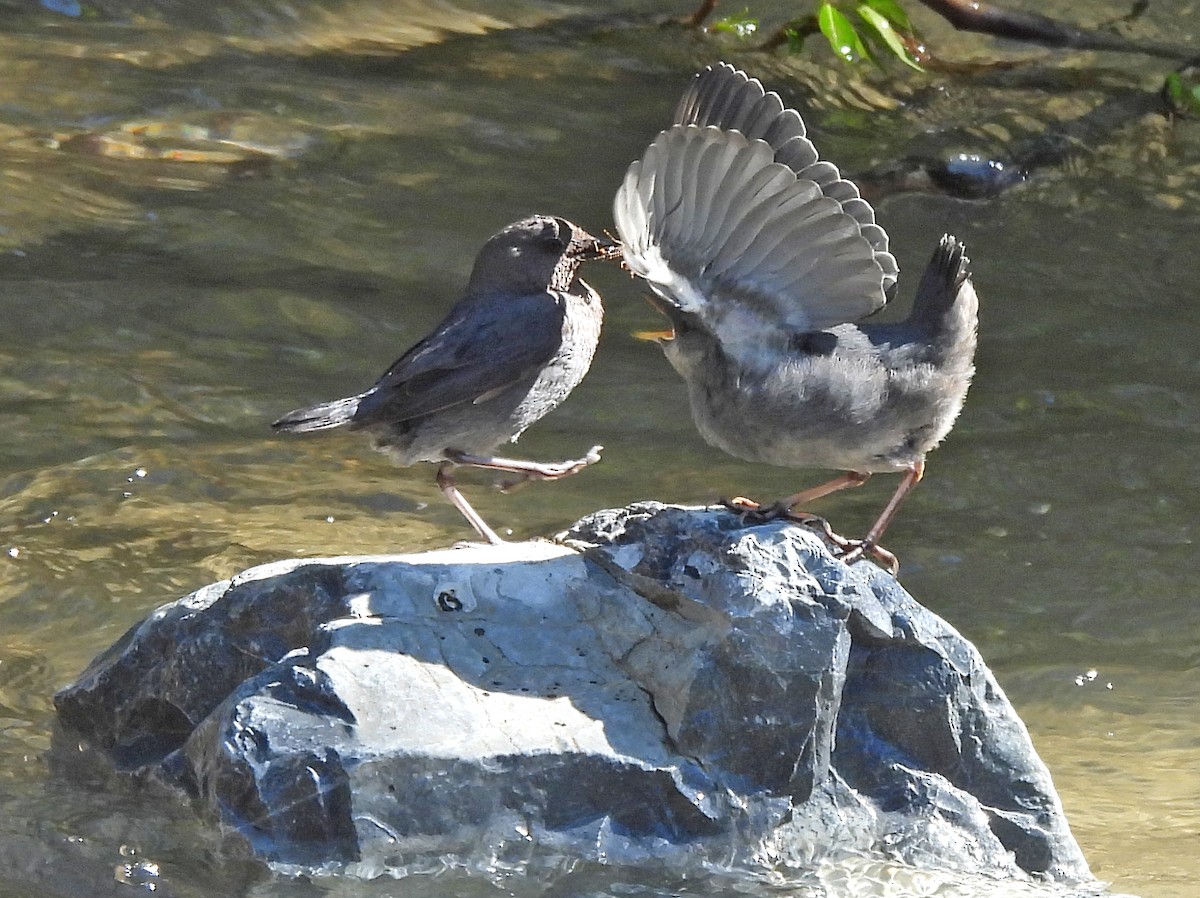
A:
[663,683]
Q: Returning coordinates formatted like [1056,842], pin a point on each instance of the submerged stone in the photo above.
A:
[662,684]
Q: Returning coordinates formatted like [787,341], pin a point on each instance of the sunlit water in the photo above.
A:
[212,214]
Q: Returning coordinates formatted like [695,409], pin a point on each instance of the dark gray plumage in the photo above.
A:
[765,260]
[507,353]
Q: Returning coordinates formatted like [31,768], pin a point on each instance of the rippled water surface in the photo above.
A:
[213,213]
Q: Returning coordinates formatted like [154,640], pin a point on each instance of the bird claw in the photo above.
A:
[849,551]
[551,471]
[858,549]
[751,512]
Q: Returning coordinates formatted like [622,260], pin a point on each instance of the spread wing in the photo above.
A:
[729,99]
[484,345]
[749,232]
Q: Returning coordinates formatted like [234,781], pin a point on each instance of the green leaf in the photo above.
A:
[840,33]
[741,25]
[1175,89]
[893,12]
[1183,93]
[883,29]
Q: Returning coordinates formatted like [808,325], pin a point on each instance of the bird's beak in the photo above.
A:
[666,309]
[587,247]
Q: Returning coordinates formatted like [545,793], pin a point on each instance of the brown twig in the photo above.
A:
[702,12]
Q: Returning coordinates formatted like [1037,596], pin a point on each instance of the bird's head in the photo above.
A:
[537,253]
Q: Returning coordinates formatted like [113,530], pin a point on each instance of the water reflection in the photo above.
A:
[160,311]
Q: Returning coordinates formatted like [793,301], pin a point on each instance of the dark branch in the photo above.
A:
[702,12]
[985,18]
[798,29]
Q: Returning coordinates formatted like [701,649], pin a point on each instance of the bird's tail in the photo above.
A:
[319,417]
[946,304]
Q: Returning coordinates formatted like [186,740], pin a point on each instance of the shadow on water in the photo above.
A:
[210,214]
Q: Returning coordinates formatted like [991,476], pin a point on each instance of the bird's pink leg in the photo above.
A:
[526,470]
[783,507]
[870,542]
[841,482]
[445,482]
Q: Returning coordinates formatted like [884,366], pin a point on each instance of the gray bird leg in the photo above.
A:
[526,470]
[445,482]
[870,542]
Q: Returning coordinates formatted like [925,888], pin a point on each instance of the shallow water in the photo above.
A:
[210,214]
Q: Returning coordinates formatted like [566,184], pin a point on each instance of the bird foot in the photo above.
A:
[751,512]
[858,549]
[848,550]
[550,470]
[740,505]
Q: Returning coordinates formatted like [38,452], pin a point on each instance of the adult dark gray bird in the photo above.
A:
[507,353]
[765,261]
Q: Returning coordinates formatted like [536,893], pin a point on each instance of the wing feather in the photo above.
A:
[727,226]
[724,97]
[448,368]
[731,213]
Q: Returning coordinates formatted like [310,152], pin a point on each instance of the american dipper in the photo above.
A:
[507,353]
[765,260]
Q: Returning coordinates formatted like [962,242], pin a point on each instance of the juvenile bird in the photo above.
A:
[520,339]
[765,261]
